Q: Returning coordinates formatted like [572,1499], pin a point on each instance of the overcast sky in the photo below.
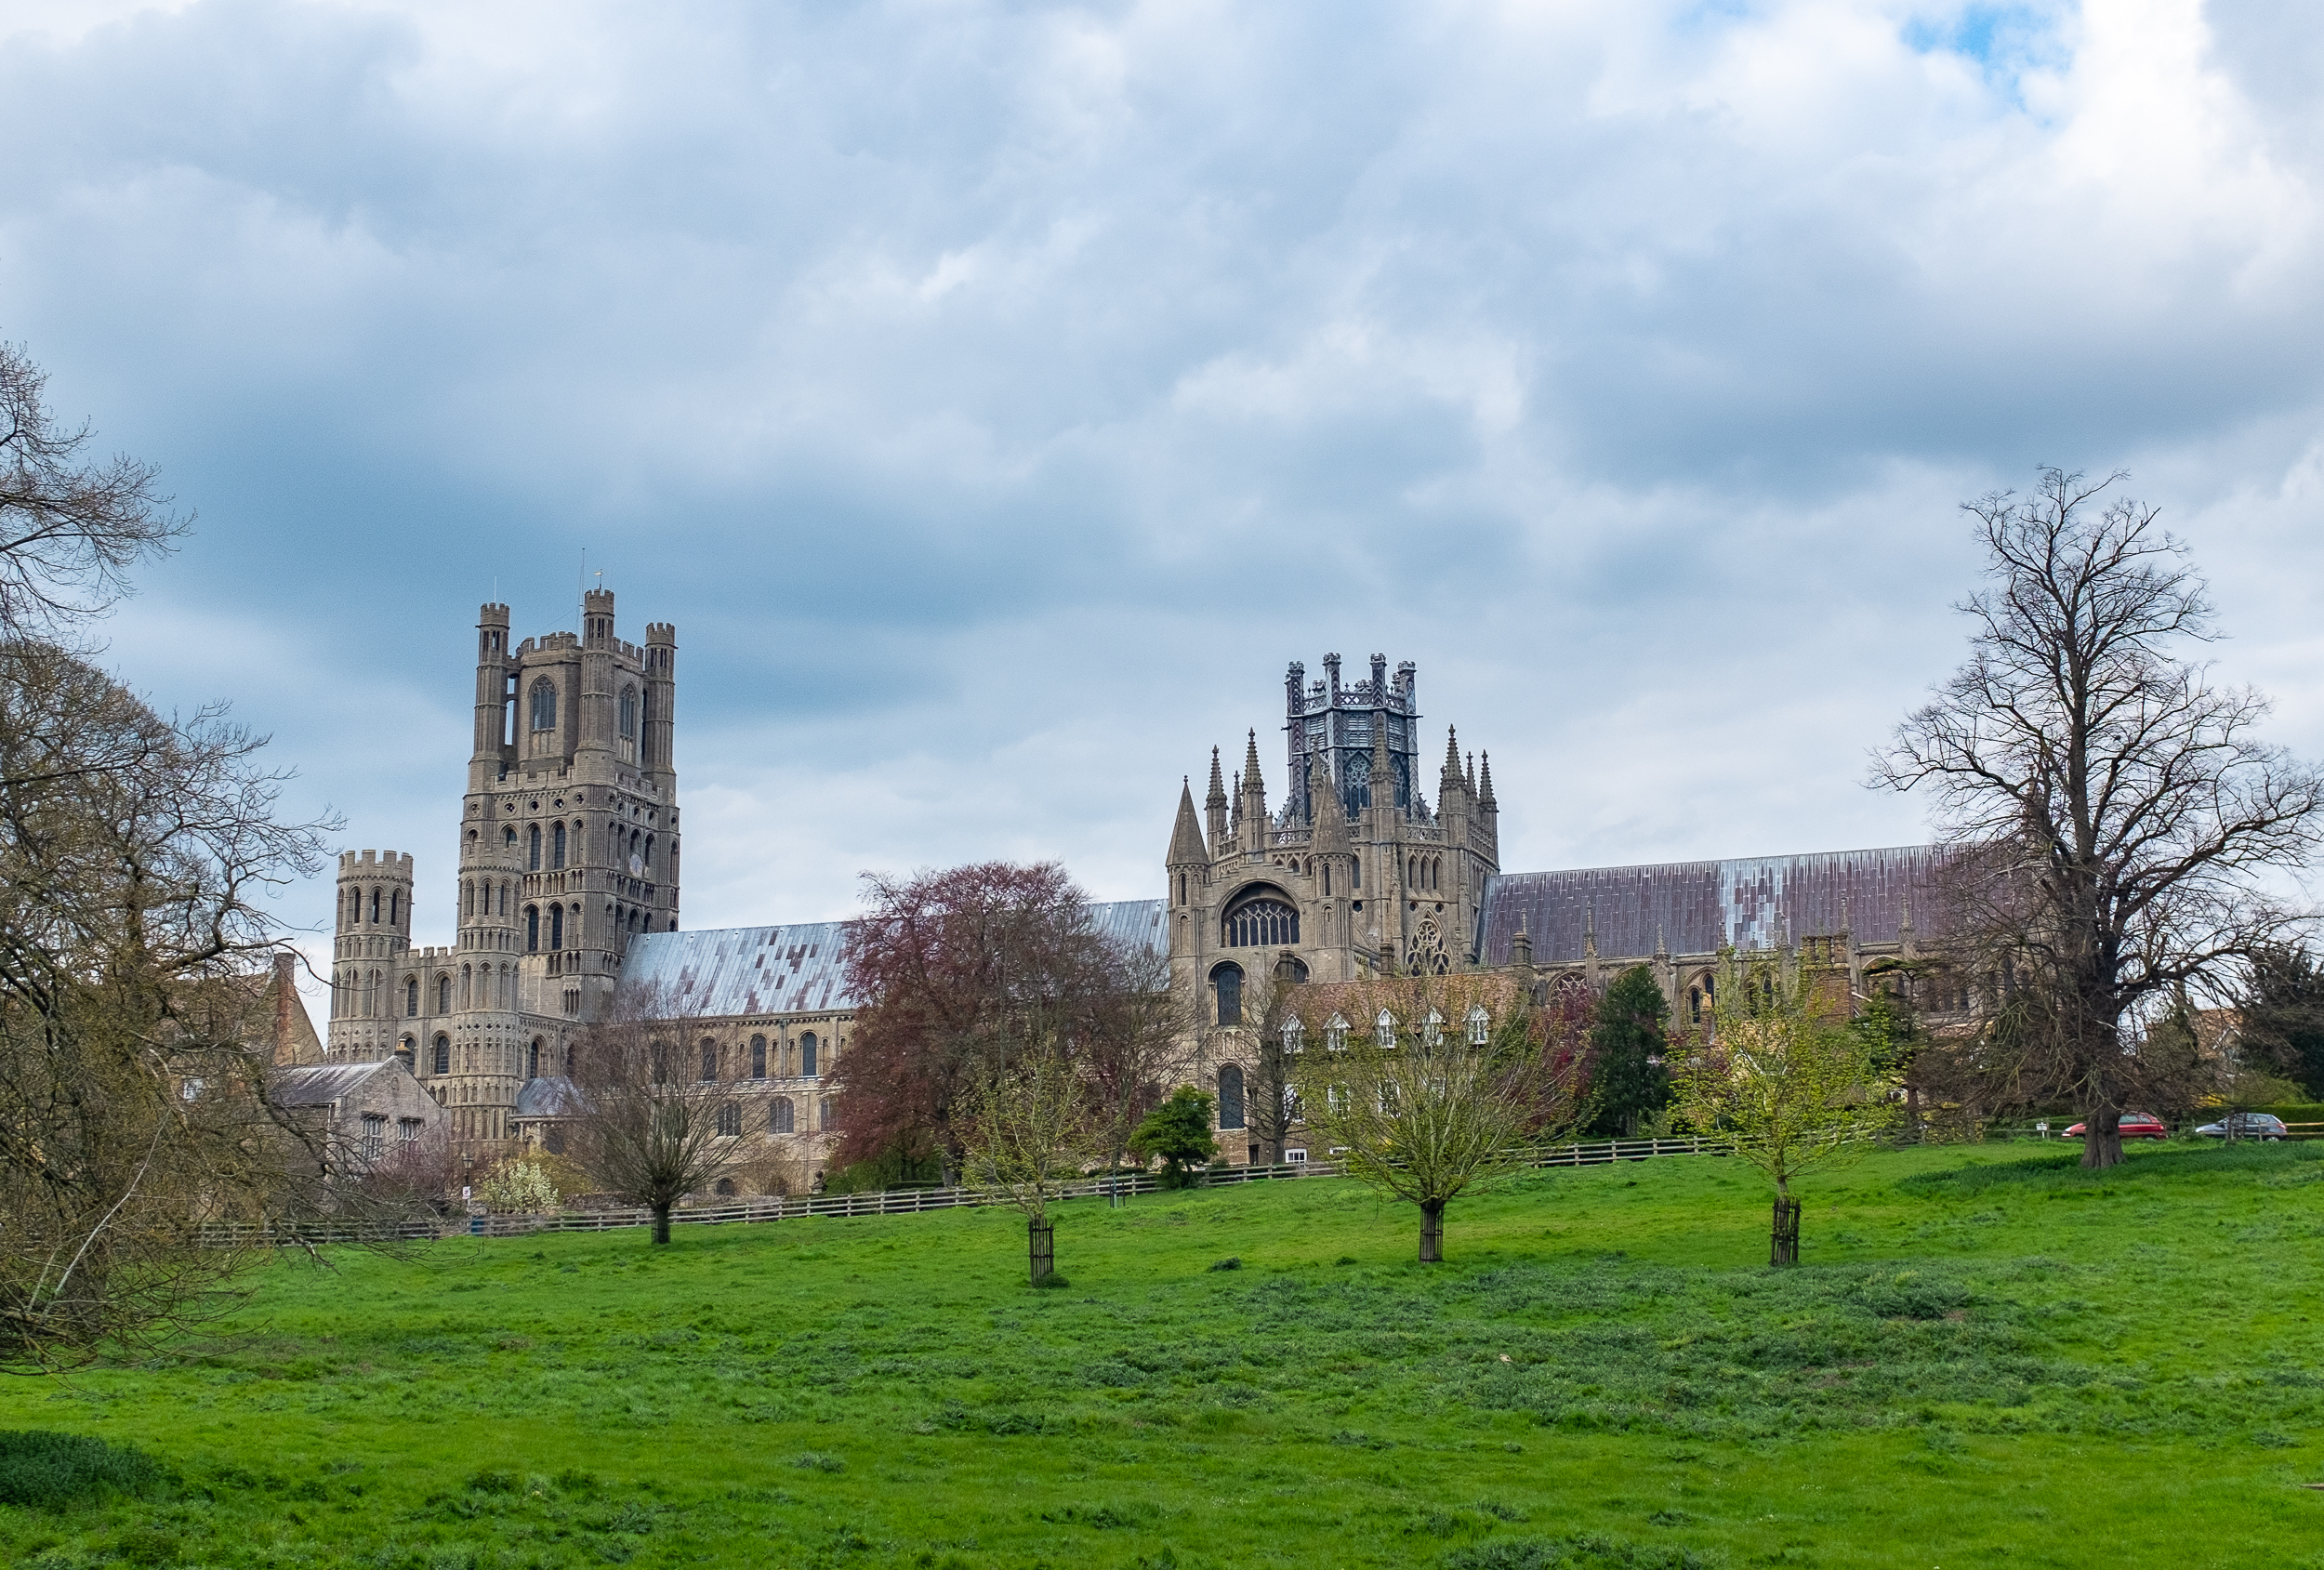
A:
[998,396]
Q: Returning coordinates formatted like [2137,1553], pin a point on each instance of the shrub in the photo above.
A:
[40,1468]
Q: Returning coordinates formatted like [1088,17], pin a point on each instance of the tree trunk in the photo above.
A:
[661,1223]
[1432,1232]
[1783,1246]
[2102,1140]
[1041,1243]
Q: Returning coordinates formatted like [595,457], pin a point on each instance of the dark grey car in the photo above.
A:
[2246,1126]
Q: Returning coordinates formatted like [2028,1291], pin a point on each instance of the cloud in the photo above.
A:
[998,396]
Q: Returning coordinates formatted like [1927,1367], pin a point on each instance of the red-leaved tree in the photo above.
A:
[955,973]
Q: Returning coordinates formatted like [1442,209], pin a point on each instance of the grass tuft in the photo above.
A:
[44,1470]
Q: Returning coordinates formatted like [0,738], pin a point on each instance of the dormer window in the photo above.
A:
[1335,1034]
[1480,1025]
[1294,1034]
[1385,1031]
[1432,1029]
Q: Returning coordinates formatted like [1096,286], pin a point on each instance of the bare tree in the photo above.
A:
[1132,1044]
[2106,805]
[69,529]
[1269,1002]
[1441,1086]
[135,856]
[651,1118]
[1030,1127]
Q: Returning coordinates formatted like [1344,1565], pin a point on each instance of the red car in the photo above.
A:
[2135,1126]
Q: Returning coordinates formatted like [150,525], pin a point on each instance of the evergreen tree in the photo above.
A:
[1177,1132]
[1628,1079]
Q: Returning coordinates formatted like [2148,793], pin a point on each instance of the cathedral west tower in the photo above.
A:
[568,848]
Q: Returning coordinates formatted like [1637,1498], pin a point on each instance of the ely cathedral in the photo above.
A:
[568,852]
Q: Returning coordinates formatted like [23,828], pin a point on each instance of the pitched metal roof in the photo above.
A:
[550,1096]
[320,1084]
[1697,907]
[720,971]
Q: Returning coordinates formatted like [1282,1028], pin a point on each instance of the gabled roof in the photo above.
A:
[721,971]
[1695,908]
[550,1096]
[317,1085]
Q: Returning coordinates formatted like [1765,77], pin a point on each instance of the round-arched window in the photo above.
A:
[1227,981]
[1261,920]
[544,704]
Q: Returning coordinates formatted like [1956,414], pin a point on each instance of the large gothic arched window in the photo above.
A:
[1262,920]
[544,704]
[629,713]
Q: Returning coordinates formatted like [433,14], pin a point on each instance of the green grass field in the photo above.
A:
[1990,1358]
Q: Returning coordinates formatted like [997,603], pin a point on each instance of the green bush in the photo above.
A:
[40,1468]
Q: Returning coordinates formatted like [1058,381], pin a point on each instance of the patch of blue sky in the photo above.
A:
[2005,40]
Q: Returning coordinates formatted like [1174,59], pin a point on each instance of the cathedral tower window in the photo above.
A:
[1226,982]
[827,1115]
[758,1057]
[467,987]
[395,907]
[781,1118]
[443,1054]
[375,907]
[532,929]
[411,998]
[557,849]
[556,927]
[544,704]
[1231,1096]
[806,1054]
[649,853]
[444,993]
[532,849]
[1261,920]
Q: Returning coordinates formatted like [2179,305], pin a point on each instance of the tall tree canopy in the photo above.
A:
[1628,1080]
[2106,804]
[957,971]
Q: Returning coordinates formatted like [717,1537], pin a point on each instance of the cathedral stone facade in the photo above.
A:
[1356,873]
[568,849]
[568,854]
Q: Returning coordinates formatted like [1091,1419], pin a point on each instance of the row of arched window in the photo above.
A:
[1424,872]
[375,899]
[782,1117]
[806,1059]
[542,706]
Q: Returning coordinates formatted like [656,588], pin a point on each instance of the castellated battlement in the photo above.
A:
[433,953]
[662,632]
[548,642]
[375,863]
[492,615]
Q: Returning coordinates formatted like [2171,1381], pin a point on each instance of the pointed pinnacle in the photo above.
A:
[1218,782]
[1484,785]
[1250,764]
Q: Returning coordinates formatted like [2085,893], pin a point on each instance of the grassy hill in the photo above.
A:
[1990,1358]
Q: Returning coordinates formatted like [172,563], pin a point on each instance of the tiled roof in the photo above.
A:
[320,1084]
[1694,907]
[797,969]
